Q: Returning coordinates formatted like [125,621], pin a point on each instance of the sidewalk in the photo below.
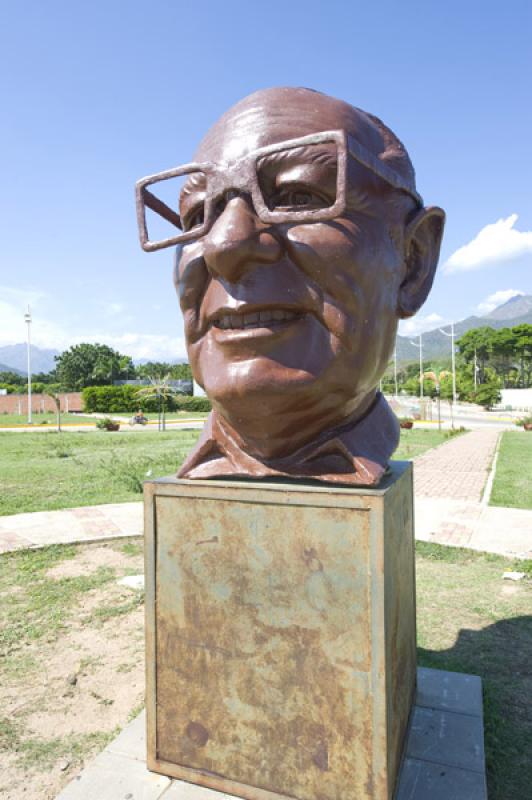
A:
[449,510]
[85,524]
[449,505]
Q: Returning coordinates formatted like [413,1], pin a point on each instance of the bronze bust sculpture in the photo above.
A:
[301,241]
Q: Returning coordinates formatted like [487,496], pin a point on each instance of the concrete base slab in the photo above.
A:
[444,755]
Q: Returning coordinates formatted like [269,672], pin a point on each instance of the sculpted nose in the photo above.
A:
[238,240]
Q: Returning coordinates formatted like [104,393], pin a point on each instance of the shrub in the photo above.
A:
[406,422]
[107,424]
[524,421]
[124,399]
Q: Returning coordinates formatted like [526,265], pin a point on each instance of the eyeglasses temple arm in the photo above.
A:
[161,208]
[374,164]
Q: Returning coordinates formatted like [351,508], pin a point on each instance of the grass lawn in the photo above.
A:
[470,620]
[48,419]
[45,471]
[88,468]
[416,441]
[513,473]
[170,415]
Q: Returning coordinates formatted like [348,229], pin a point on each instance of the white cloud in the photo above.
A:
[156,347]
[48,334]
[114,308]
[496,242]
[13,305]
[496,299]
[417,325]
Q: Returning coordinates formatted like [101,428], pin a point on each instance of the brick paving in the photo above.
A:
[457,469]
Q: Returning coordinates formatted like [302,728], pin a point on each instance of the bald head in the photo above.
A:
[274,115]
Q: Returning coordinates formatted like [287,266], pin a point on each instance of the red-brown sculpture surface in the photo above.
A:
[295,261]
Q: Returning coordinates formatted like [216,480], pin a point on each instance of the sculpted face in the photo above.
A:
[290,325]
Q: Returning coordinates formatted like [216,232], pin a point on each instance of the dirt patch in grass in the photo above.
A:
[71,661]
[90,560]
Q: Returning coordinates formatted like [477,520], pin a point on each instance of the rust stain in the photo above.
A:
[197,733]
[321,757]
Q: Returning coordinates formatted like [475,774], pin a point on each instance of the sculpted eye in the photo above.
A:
[297,197]
[194,218]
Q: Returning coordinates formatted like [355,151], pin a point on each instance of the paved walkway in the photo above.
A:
[457,469]
[451,501]
[86,524]
[449,508]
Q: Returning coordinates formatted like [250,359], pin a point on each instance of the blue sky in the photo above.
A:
[96,95]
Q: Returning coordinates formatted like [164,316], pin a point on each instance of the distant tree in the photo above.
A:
[44,377]
[477,342]
[181,372]
[12,378]
[489,392]
[523,350]
[90,365]
[160,369]
[156,370]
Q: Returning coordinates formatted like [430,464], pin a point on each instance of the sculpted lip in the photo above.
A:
[246,318]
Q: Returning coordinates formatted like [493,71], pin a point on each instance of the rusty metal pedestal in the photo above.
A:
[281,658]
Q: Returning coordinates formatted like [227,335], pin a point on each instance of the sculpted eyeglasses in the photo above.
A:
[203,185]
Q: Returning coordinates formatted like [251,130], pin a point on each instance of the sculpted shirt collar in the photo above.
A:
[355,454]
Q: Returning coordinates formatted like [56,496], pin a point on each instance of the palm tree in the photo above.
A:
[57,400]
[160,388]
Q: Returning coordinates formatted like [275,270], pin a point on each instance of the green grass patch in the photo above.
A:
[176,415]
[41,753]
[512,485]
[130,549]
[44,471]
[470,620]
[49,419]
[416,441]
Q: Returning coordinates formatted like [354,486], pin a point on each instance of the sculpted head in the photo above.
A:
[307,258]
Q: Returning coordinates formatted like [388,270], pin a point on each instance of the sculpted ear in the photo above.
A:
[422,248]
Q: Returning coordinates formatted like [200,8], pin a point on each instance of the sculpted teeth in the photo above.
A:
[254,319]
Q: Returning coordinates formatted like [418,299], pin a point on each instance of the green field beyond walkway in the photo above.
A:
[46,471]
[49,419]
[416,441]
[513,473]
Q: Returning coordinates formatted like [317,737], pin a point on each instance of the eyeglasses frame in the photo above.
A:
[242,175]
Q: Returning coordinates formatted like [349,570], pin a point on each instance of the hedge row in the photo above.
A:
[125,399]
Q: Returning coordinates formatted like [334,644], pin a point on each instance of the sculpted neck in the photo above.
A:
[281,431]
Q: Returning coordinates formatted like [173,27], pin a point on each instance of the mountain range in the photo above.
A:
[515,311]
[13,357]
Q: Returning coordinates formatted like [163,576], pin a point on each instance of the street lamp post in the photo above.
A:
[395,370]
[27,319]
[420,347]
[453,362]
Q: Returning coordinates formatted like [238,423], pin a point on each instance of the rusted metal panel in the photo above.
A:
[268,636]
[400,616]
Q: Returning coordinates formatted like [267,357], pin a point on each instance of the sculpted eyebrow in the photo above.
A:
[309,154]
[195,182]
